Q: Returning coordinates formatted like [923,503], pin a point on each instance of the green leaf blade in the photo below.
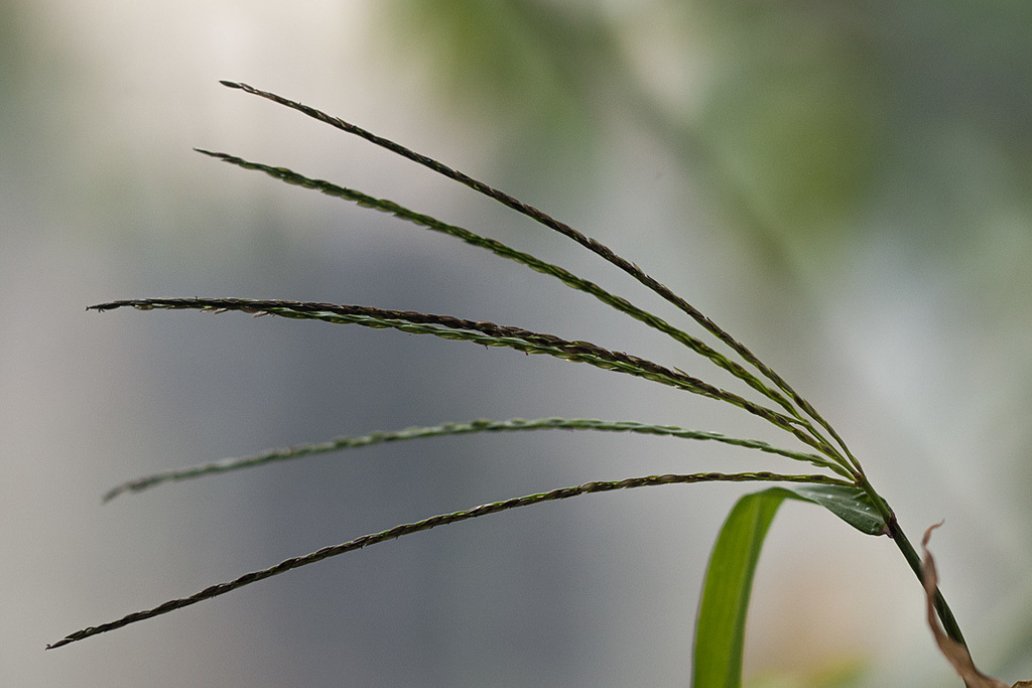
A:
[720,626]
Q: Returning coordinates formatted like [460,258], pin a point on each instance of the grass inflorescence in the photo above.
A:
[842,487]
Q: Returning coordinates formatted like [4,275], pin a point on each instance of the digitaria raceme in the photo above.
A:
[835,478]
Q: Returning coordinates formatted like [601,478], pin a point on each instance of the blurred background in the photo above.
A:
[845,186]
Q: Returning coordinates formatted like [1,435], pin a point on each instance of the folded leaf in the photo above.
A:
[851,504]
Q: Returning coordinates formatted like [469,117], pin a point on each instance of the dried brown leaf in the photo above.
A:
[957,653]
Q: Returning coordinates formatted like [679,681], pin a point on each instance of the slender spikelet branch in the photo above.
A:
[498,248]
[434,522]
[485,333]
[338,444]
[552,223]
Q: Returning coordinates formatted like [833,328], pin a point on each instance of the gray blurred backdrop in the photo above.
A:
[843,185]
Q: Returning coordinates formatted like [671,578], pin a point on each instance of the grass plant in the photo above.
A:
[840,484]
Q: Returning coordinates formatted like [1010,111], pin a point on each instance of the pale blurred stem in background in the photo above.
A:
[678,134]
